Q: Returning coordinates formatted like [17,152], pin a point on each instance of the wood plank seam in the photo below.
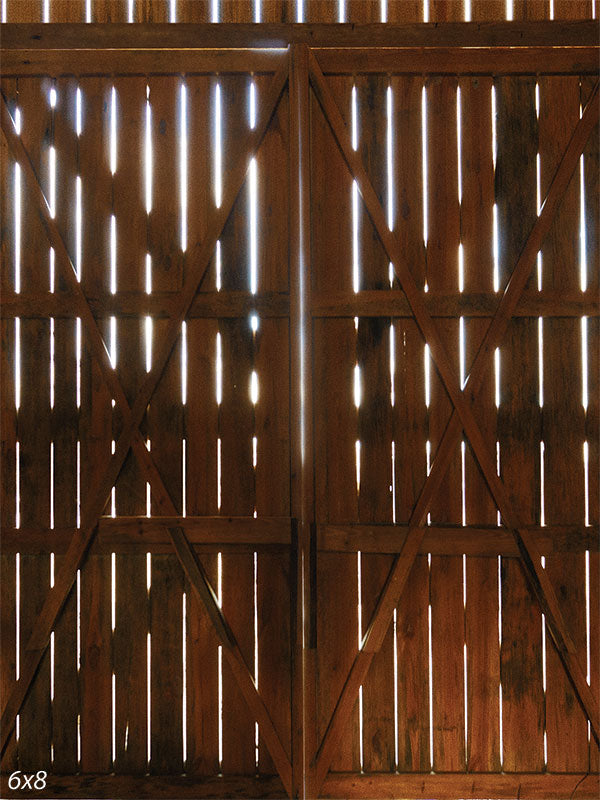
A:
[529,555]
[131,436]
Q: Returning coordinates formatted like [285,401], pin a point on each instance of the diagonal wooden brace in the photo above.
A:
[462,418]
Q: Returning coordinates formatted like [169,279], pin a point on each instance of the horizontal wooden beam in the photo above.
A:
[210,534]
[156,786]
[439,540]
[393,303]
[541,786]
[369,303]
[138,62]
[459,61]
[354,60]
[135,304]
[173,36]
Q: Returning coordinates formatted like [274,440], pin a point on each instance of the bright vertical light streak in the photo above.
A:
[509,9]
[257,10]
[357,456]
[113,342]
[78,360]
[51,509]
[427,377]
[219,474]
[383,12]
[430,659]
[357,386]
[459,143]
[88,10]
[113,130]
[494,138]
[113,591]
[183,165]
[252,106]
[184,362]
[184,678]
[129,10]
[148,273]
[464,483]
[542,485]
[253,227]
[584,363]
[539,206]
[214,11]
[219,371]
[78,224]
[173,11]
[425,10]
[148,697]
[218,266]
[461,268]
[541,360]
[495,249]
[17,363]
[396,731]
[254,387]
[52,175]
[467,10]
[17,488]
[299,10]
[218,153]
[461,347]
[46,12]
[113,254]
[148,157]
[586,484]
[78,116]
[184,478]
[78,489]
[497,376]
[341,10]
[390,164]
[148,331]
[17,222]
[354,120]
[355,274]
[424,160]
[3,10]
[582,228]
[52,365]
[551,9]
[52,270]
[392,365]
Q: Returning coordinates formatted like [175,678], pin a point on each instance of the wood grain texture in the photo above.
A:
[563,421]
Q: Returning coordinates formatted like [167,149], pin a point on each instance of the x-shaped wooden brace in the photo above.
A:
[131,438]
[462,418]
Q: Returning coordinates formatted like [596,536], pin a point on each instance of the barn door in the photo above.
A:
[446,642]
[146,426]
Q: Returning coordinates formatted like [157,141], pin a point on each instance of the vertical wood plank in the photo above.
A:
[519,429]
[375,424]
[481,610]
[237,428]
[446,11]
[321,11]
[109,11]
[95,427]
[405,11]
[483,665]
[24,11]
[131,619]
[563,422]
[8,563]
[201,429]
[33,433]
[193,11]
[413,671]
[447,610]
[65,706]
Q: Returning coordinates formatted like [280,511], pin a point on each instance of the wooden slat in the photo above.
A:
[483,665]
[481,575]
[33,433]
[95,431]
[374,429]
[236,430]
[200,420]
[8,561]
[174,36]
[447,611]
[543,786]
[563,422]
[372,303]
[519,428]
[446,11]
[405,11]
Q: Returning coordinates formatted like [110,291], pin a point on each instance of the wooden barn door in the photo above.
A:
[146,482]
[453,430]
